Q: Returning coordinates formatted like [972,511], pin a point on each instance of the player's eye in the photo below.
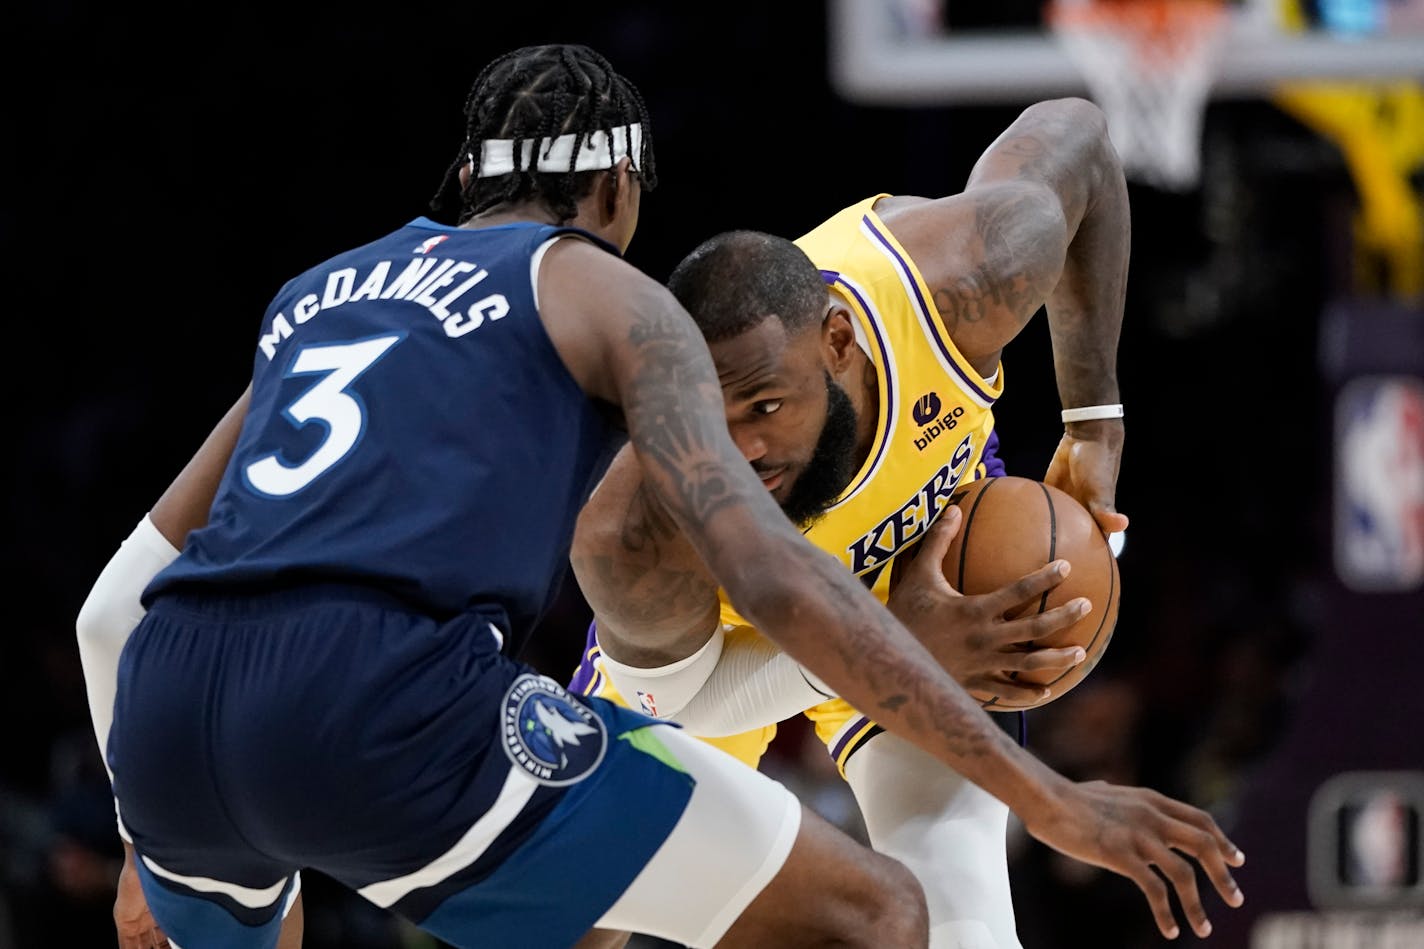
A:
[766,407]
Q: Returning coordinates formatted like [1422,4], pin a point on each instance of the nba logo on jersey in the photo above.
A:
[425,245]
[647,703]
[552,737]
[1379,484]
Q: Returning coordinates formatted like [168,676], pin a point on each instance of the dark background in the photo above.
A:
[169,172]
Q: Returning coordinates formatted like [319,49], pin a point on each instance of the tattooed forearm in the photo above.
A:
[645,598]
[646,527]
[901,685]
[654,599]
[1085,309]
[676,416]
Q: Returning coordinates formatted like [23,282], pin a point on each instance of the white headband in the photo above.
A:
[599,151]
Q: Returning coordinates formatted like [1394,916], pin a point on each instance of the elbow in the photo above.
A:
[102,625]
[1079,113]
[1079,120]
[89,624]
[1092,122]
[1090,114]
[1088,136]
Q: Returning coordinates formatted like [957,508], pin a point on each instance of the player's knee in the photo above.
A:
[910,918]
[834,892]
[892,913]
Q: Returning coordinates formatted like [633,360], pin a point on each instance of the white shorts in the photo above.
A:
[733,838]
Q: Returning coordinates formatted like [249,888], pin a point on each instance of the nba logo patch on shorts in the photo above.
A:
[553,738]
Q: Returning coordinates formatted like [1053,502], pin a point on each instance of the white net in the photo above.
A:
[1149,65]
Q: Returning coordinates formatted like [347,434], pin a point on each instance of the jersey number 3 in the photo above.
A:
[328,404]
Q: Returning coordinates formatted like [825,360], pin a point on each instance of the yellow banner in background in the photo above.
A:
[1379,129]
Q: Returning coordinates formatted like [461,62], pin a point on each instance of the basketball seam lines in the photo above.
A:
[964,552]
[964,547]
[1052,539]
[1112,586]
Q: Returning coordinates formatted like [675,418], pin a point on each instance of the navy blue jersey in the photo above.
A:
[412,429]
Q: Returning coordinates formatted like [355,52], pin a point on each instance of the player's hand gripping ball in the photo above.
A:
[1013,526]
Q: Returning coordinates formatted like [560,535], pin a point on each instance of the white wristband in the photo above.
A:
[1089,413]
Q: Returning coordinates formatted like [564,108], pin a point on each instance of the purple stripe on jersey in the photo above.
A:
[993,464]
[860,722]
[831,277]
[584,675]
[928,313]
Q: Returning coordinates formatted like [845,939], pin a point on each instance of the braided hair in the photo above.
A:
[534,93]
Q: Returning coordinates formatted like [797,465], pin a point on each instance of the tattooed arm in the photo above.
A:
[1043,220]
[653,598]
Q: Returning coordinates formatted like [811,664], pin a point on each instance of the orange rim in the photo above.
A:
[1162,30]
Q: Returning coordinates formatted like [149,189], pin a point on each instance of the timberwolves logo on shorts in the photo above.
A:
[548,734]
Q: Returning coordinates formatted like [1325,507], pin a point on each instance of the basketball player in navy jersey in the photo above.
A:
[321,678]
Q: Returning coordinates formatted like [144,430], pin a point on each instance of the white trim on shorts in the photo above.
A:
[518,789]
[732,839]
[247,896]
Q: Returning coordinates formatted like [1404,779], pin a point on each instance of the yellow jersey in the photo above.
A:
[935,418]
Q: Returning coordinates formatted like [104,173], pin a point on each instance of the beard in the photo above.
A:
[832,463]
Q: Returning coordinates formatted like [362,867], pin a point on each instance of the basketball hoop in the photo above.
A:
[1149,64]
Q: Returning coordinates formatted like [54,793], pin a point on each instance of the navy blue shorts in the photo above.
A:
[410,760]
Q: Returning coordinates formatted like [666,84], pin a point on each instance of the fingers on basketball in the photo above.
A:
[1009,691]
[931,549]
[1014,531]
[1047,659]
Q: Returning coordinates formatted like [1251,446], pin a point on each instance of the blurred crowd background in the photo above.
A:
[169,174]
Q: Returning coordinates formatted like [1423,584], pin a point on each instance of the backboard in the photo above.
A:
[910,53]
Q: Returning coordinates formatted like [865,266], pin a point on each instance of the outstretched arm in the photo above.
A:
[1044,219]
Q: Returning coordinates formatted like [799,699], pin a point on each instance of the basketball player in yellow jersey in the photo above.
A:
[862,408]
[929,423]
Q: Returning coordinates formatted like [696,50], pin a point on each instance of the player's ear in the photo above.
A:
[616,196]
[838,335]
[622,189]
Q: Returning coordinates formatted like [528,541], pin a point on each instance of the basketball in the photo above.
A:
[1011,527]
